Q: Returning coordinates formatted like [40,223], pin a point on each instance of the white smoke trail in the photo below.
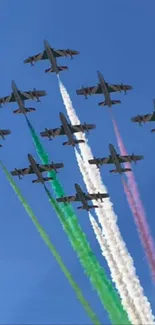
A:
[108,222]
[127,301]
[116,266]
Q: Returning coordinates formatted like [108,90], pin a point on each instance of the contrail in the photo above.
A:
[116,271]
[137,211]
[127,301]
[78,240]
[52,248]
[108,222]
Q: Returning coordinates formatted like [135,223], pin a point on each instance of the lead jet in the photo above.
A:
[40,178]
[55,53]
[145,118]
[42,168]
[67,129]
[20,96]
[116,159]
[108,101]
[54,67]
[83,197]
[88,91]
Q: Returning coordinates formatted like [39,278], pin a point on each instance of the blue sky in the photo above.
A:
[116,38]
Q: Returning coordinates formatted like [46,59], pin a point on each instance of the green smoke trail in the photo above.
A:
[69,221]
[53,250]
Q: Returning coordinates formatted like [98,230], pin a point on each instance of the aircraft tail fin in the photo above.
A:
[67,143]
[113,102]
[27,110]
[123,170]
[60,68]
[45,179]
[89,207]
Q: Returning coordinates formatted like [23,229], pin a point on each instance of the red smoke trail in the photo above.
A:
[137,208]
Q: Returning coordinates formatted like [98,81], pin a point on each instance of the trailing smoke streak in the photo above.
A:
[138,211]
[53,250]
[69,221]
[127,301]
[133,283]
[115,269]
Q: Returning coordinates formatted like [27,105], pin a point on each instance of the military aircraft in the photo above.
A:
[45,55]
[88,91]
[67,129]
[116,159]
[108,101]
[40,178]
[83,197]
[20,96]
[145,118]
[42,168]
[3,133]
[54,67]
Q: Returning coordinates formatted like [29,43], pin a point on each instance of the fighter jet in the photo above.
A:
[54,67]
[108,101]
[145,118]
[20,96]
[36,170]
[116,159]
[67,129]
[83,197]
[47,55]
[42,168]
[88,91]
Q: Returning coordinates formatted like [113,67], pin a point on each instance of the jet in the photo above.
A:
[108,101]
[67,129]
[42,168]
[145,118]
[56,54]
[88,91]
[83,197]
[54,67]
[116,159]
[20,96]
[36,170]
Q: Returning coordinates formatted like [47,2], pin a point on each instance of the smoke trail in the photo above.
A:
[96,274]
[127,302]
[137,208]
[112,233]
[53,250]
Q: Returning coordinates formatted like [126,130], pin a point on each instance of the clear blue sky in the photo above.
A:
[117,38]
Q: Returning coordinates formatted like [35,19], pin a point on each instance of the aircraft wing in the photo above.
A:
[129,158]
[117,87]
[95,196]
[144,118]
[23,171]
[53,132]
[49,167]
[71,198]
[7,99]
[101,161]
[32,94]
[43,55]
[89,90]
[5,132]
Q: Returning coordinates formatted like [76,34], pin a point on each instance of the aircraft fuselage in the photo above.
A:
[51,56]
[104,89]
[35,168]
[115,158]
[81,197]
[17,97]
[66,128]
